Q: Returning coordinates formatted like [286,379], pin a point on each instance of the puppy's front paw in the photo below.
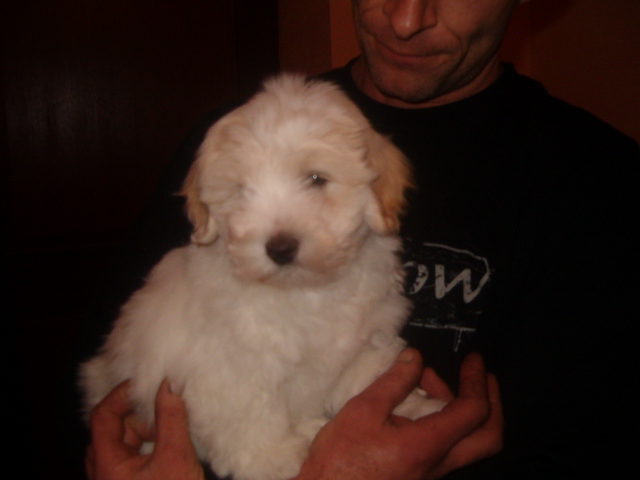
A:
[147,448]
[418,404]
[272,460]
[310,427]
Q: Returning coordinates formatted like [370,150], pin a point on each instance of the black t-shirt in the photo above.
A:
[519,243]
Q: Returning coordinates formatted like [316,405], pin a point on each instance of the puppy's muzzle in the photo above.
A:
[282,248]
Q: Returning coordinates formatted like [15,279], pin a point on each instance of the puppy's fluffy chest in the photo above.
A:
[195,318]
[291,322]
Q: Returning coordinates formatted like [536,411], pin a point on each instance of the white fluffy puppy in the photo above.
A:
[289,299]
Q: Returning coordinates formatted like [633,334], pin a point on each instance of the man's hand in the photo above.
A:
[366,441]
[116,437]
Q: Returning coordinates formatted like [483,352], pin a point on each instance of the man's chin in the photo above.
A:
[400,86]
[407,89]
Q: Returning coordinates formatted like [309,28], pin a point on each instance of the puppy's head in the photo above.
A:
[295,179]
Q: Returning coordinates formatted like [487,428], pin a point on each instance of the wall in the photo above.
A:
[304,35]
[586,52]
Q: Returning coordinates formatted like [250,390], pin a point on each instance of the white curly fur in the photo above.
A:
[264,351]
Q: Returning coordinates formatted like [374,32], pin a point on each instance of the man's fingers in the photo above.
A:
[493,428]
[392,387]
[435,386]
[464,414]
[108,427]
[172,429]
[484,442]
[116,402]
[473,377]
[472,405]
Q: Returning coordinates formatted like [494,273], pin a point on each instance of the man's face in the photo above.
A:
[427,52]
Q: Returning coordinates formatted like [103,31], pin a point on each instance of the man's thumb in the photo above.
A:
[172,428]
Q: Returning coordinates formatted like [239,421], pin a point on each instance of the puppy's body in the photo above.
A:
[289,300]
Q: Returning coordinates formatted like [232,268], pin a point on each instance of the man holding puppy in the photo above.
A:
[517,247]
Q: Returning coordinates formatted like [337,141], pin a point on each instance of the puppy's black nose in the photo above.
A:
[282,248]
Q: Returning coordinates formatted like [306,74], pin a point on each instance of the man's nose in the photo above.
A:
[409,17]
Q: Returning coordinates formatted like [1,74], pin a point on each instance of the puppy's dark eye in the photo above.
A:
[317,180]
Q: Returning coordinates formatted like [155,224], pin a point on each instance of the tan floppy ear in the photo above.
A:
[393,178]
[205,229]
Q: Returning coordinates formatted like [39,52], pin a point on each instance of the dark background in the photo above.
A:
[96,98]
